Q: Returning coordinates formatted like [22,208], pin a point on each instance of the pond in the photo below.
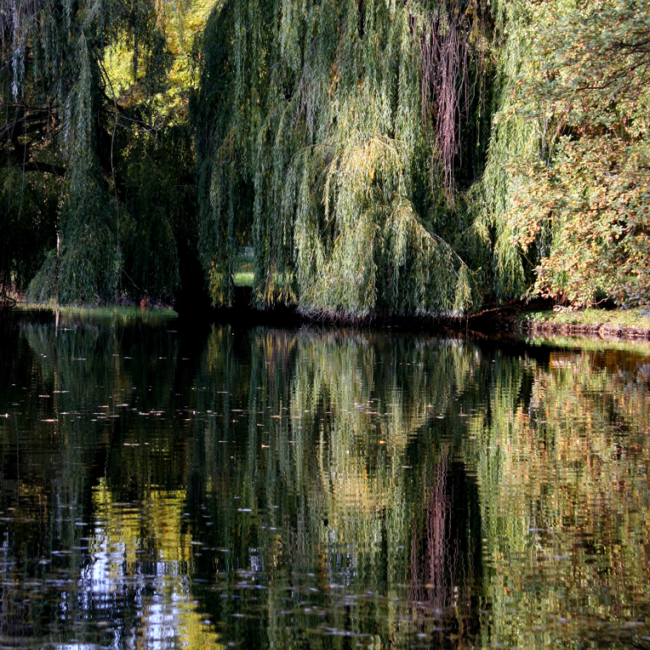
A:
[166,484]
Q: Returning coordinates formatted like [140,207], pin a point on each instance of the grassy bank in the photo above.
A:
[616,323]
[245,274]
[106,313]
[637,346]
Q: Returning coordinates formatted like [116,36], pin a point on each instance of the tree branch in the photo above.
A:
[33,166]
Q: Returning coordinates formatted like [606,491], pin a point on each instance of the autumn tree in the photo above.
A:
[568,181]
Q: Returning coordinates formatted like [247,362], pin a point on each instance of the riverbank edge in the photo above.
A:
[530,325]
[538,318]
[533,318]
[542,319]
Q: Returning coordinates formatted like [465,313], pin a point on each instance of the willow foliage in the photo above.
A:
[411,157]
[92,149]
[328,136]
[414,157]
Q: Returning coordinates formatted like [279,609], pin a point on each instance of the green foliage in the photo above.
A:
[568,180]
[94,148]
[154,168]
[27,223]
[321,142]
[380,157]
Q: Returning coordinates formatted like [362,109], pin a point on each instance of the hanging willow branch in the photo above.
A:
[446,89]
[314,150]
[67,169]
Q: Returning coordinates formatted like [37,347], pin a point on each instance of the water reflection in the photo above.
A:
[141,557]
[163,488]
[566,503]
[335,480]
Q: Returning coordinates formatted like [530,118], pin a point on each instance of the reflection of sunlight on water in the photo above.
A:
[140,553]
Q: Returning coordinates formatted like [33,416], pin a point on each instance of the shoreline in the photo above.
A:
[610,325]
[601,331]
[543,318]
[535,318]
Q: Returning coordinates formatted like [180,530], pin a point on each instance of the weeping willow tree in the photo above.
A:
[336,139]
[415,157]
[96,182]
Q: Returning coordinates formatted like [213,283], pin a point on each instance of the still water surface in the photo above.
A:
[165,485]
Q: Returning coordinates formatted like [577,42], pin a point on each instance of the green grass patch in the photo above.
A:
[245,274]
[639,317]
[103,314]
[590,344]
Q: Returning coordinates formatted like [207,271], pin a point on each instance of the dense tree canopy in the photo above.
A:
[97,165]
[332,136]
[568,181]
[415,157]
[348,142]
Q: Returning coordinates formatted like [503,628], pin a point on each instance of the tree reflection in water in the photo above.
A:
[317,488]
